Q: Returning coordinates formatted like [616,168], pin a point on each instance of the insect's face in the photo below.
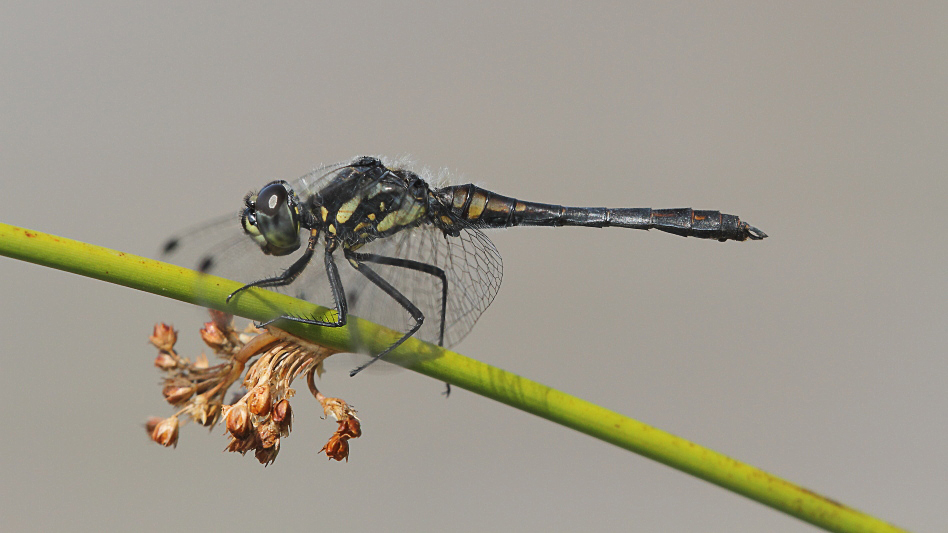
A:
[272,218]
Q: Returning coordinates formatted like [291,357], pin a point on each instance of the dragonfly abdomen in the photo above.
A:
[489,209]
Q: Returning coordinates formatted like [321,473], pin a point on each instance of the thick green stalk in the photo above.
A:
[189,286]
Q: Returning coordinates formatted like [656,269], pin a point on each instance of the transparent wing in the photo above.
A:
[311,183]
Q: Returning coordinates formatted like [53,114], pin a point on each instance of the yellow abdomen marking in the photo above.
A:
[478,202]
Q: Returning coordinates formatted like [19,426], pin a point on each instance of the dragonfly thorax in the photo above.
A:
[363,205]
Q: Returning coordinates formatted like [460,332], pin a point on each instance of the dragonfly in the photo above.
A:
[395,249]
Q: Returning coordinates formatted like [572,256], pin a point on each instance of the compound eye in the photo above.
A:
[271,199]
[275,218]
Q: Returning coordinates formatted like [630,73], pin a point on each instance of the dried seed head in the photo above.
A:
[177,393]
[268,455]
[165,361]
[206,414]
[349,428]
[244,445]
[238,421]
[337,448]
[269,361]
[213,336]
[224,321]
[282,411]
[282,414]
[269,435]
[260,400]
[201,362]
[163,337]
[166,432]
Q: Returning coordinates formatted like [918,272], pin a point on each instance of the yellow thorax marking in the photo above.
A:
[402,217]
[345,210]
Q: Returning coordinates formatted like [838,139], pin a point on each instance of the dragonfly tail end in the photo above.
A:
[753,233]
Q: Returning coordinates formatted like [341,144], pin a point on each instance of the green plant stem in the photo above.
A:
[188,286]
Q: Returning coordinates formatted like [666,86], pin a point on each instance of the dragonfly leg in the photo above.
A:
[341,307]
[413,265]
[420,267]
[289,275]
[394,293]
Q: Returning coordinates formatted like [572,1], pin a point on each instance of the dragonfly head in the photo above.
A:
[272,218]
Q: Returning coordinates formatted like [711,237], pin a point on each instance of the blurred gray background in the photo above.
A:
[817,354]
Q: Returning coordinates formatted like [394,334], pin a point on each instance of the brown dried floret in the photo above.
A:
[165,432]
[163,337]
[259,401]
[337,448]
[238,420]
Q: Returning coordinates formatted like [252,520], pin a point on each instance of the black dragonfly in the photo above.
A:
[415,258]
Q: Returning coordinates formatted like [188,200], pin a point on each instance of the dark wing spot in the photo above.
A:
[206,265]
[169,246]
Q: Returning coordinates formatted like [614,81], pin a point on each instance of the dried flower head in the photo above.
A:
[350,428]
[177,391]
[282,414]
[165,432]
[337,448]
[266,456]
[238,420]
[165,361]
[163,337]
[257,420]
[259,401]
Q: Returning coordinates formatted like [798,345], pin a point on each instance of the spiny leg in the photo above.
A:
[420,267]
[394,293]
